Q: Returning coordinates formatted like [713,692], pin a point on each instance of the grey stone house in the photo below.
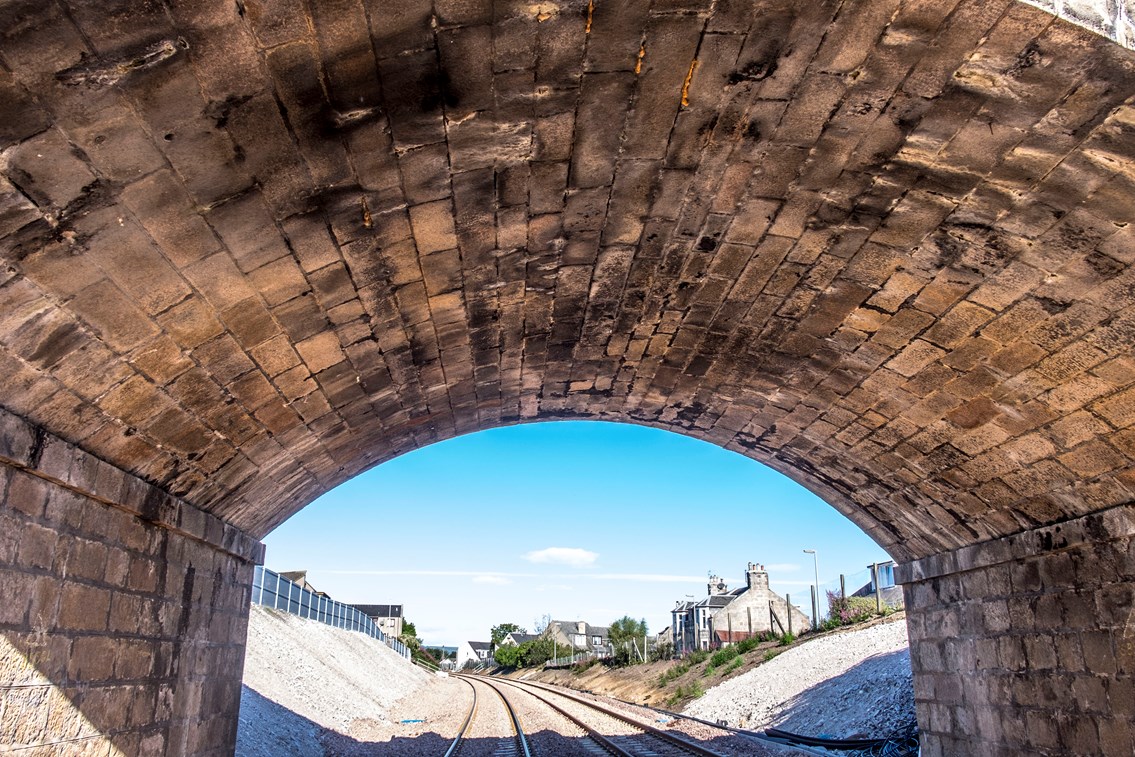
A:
[725,616]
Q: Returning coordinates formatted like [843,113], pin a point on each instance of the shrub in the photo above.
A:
[695,657]
[748,644]
[771,654]
[850,610]
[581,667]
[676,671]
[786,639]
[722,656]
[737,662]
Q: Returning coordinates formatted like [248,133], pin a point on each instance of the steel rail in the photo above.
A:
[518,731]
[464,726]
[681,743]
[592,734]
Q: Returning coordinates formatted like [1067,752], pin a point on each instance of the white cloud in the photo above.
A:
[498,580]
[577,558]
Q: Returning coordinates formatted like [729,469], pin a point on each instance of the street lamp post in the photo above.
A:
[816,595]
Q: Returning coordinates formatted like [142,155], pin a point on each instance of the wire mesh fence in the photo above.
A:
[270,589]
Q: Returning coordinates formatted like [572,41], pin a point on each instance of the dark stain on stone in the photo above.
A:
[689,414]
[39,439]
[1027,58]
[1104,265]
[707,244]
[59,342]
[186,602]
[220,110]
[757,70]
[105,72]
[1051,306]
[753,131]
[708,127]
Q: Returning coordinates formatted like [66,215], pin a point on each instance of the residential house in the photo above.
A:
[579,635]
[690,620]
[299,578]
[388,618]
[516,638]
[755,609]
[890,593]
[473,651]
[725,616]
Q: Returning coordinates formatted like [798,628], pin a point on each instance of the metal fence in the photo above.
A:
[270,589]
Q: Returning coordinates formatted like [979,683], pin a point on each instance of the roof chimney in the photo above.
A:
[756,577]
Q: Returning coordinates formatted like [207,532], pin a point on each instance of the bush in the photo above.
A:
[850,610]
[583,666]
[694,691]
[737,662]
[747,645]
[787,639]
[507,656]
[698,656]
[676,671]
[662,651]
[722,656]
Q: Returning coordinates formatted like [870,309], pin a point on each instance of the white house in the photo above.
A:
[473,651]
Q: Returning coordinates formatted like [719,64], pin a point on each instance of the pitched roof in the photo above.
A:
[477,645]
[380,611]
[522,638]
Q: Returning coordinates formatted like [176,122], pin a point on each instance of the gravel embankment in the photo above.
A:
[303,678]
[846,685]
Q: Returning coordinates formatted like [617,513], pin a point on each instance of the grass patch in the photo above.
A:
[737,662]
[771,654]
[693,691]
[787,639]
[675,671]
[722,656]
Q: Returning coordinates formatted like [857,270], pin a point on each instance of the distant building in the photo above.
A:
[516,638]
[299,578]
[387,617]
[888,591]
[579,635]
[665,636]
[473,651]
[725,616]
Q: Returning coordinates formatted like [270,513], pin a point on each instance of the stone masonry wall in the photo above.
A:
[1026,645]
[123,612]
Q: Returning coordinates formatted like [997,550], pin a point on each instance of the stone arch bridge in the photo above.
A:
[252,247]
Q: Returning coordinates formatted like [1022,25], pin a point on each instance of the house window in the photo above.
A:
[596,639]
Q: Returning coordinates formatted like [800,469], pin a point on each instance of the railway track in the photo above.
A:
[644,741]
[516,746]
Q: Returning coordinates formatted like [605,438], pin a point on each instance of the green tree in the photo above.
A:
[502,630]
[624,634]
[507,656]
[409,636]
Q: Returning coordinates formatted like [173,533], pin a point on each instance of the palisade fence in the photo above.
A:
[270,589]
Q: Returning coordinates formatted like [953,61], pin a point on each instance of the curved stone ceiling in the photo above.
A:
[883,247]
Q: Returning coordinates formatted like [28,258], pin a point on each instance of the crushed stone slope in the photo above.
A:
[845,685]
[303,678]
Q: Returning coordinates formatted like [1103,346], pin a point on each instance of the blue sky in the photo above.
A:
[579,520]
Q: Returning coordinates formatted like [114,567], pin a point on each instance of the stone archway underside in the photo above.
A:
[883,247]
